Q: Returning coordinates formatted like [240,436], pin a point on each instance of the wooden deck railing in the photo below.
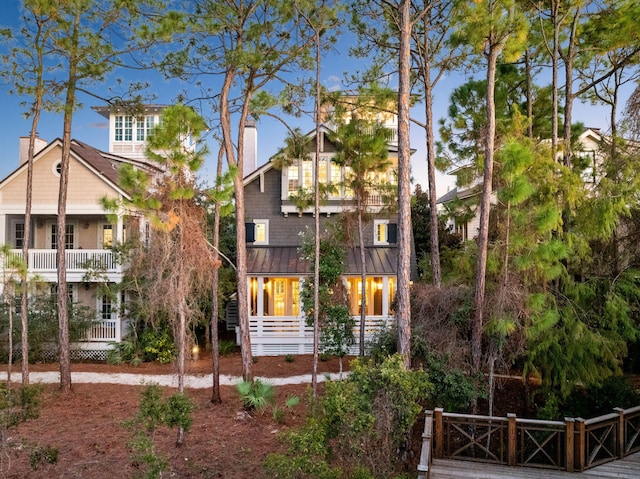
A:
[571,445]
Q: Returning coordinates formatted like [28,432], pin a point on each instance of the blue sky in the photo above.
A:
[90,127]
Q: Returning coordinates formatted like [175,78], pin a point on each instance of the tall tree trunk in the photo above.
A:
[431,173]
[24,298]
[363,275]
[529,93]
[215,338]
[555,88]
[485,205]
[316,224]
[182,351]
[403,310]
[243,306]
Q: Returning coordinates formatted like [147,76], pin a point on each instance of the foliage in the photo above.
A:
[369,416]
[43,324]
[362,423]
[154,413]
[40,454]
[158,345]
[150,345]
[614,392]
[256,395]
[336,322]
[227,347]
[307,455]
[17,405]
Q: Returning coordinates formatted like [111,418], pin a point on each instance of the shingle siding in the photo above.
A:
[285,231]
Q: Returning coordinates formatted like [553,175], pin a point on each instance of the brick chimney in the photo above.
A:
[24,147]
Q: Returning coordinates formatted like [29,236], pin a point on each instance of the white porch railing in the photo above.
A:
[77,260]
[104,330]
[288,334]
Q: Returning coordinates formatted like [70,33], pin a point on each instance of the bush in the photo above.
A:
[255,395]
[153,413]
[226,348]
[615,391]
[363,423]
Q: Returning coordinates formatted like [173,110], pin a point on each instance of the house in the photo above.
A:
[93,174]
[460,205]
[274,268]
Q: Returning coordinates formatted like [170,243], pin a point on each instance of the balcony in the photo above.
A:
[43,261]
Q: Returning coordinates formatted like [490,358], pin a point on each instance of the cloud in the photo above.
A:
[99,126]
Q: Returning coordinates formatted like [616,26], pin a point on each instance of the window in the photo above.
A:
[374,291]
[124,128]
[307,174]
[106,308]
[18,234]
[261,232]
[69,236]
[71,291]
[144,125]
[107,236]
[281,297]
[380,232]
[293,179]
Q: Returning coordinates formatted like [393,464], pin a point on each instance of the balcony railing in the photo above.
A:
[574,444]
[77,260]
[104,330]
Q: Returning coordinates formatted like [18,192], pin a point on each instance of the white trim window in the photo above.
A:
[70,236]
[380,232]
[261,232]
[106,236]
[106,308]
[17,233]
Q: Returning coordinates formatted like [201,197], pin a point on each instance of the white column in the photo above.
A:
[385,296]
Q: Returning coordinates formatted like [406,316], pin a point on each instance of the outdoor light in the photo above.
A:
[195,353]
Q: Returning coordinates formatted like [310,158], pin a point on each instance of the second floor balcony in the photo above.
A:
[80,263]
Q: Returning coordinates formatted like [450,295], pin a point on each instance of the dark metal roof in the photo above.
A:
[286,260]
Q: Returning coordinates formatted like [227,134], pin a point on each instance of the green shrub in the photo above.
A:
[256,395]
[615,391]
[306,456]
[154,412]
[363,423]
[226,348]
[289,358]
[38,455]
[158,345]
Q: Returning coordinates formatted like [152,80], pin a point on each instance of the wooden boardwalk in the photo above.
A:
[627,468]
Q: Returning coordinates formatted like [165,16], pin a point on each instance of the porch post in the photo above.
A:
[439,433]
[385,296]
[620,436]
[512,439]
[569,444]
[581,444]
[425,453]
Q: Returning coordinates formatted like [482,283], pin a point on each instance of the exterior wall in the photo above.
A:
[284,230]
[85,188]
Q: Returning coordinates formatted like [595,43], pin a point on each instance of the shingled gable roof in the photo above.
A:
[107,164]
[103,164]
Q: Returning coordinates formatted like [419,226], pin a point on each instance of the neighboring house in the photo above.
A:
[460,205]
[93,175]
[274,268]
